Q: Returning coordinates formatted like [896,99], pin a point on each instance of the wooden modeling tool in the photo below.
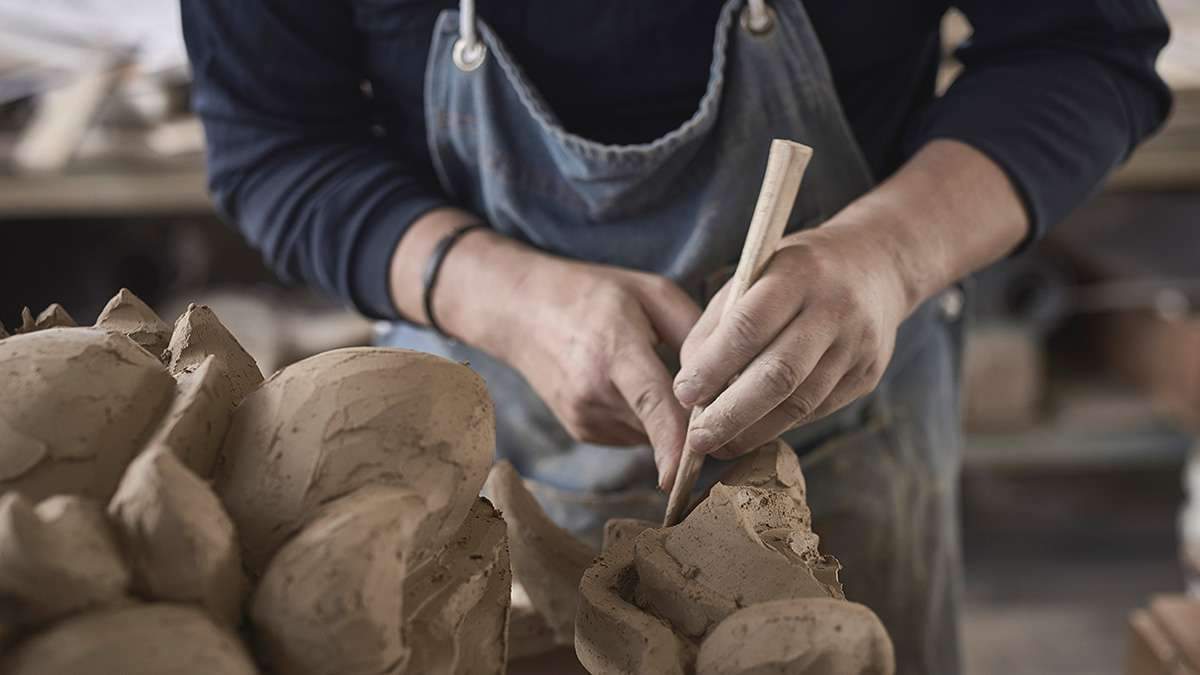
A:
[786,163]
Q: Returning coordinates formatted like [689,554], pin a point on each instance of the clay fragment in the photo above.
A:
[3,331]
[741,546]
[773,466]
[76,406]
[58,558]
[195,424]
[811,636]
[148,639]
[331,601]
[54,316]
[180,543]
[28,323]
[344,419]
[199,333]
[126,313]
[613,636]
[546,559]
[457,604]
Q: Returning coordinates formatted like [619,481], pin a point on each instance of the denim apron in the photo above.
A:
[881,473]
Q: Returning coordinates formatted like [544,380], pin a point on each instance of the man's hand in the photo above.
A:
[583,335]
[817,330]
[814,333]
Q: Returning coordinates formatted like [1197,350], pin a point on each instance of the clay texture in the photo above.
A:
[199,333]
[76,406]
[547,560]
[126,313]
[151,639]
[57,558]
[456,605]
[335,422]
[815,636]
[332,600]
[179,542]
[195,424]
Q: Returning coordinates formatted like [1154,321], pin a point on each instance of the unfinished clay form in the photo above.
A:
[546,559]
[338,421]
[331,602]
[456,605]
[3,331]
[773,466]
[54,316]
[76,406]
[180,544]
[741,546]
[199,333]
[813,636]
[57,558]
[613,636]
[126,313]
[195,425]
[151,639]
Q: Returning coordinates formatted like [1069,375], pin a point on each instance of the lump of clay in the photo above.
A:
[742,545]
[456,605]
[337,421]
[612,635]
[331,601]
[546,559]
[195,424]
[76,406]
[57,558]
[54,316]
[180,543]
[813,636]
[773,466]
[153,639]
[127,314]
[199,333]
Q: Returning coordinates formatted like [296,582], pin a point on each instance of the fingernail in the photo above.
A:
[687,391]
[701,441]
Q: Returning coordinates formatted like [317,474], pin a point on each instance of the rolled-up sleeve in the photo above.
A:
[1057,93]
[293,158]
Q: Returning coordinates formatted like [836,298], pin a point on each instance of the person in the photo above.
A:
[552,191]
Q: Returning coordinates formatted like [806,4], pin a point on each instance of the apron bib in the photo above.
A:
[679,206]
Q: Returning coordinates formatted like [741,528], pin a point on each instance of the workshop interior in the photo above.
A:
[209,463]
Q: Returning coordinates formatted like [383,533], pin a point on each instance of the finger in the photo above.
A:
[707,323]
[766,383]
[740,335]
[798,407]
[672,312]
[645,385]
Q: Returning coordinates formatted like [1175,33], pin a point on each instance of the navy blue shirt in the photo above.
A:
[316,136]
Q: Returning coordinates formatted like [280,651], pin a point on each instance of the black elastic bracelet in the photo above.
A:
[434,267]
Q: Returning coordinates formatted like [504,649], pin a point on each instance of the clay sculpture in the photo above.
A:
[546,559]
[76,407]
[656,597]
[337,421]
[350,479]
[127,314]
[177,537]
[56,558]
[138,639]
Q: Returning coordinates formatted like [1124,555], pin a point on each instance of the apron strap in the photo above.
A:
[469,51]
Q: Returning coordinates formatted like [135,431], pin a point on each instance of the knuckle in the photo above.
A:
[647,402]
[798,406]
[780,376]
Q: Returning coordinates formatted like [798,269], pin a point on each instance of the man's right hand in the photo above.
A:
[583,335]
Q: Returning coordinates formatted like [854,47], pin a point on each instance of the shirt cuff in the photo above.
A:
[371,259]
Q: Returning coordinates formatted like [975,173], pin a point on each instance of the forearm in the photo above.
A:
[479,277]
[948,212]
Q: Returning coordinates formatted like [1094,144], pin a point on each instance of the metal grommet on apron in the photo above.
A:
[758,18]
[678,206]
[469,51]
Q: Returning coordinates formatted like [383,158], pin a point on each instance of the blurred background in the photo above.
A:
[1082,374]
